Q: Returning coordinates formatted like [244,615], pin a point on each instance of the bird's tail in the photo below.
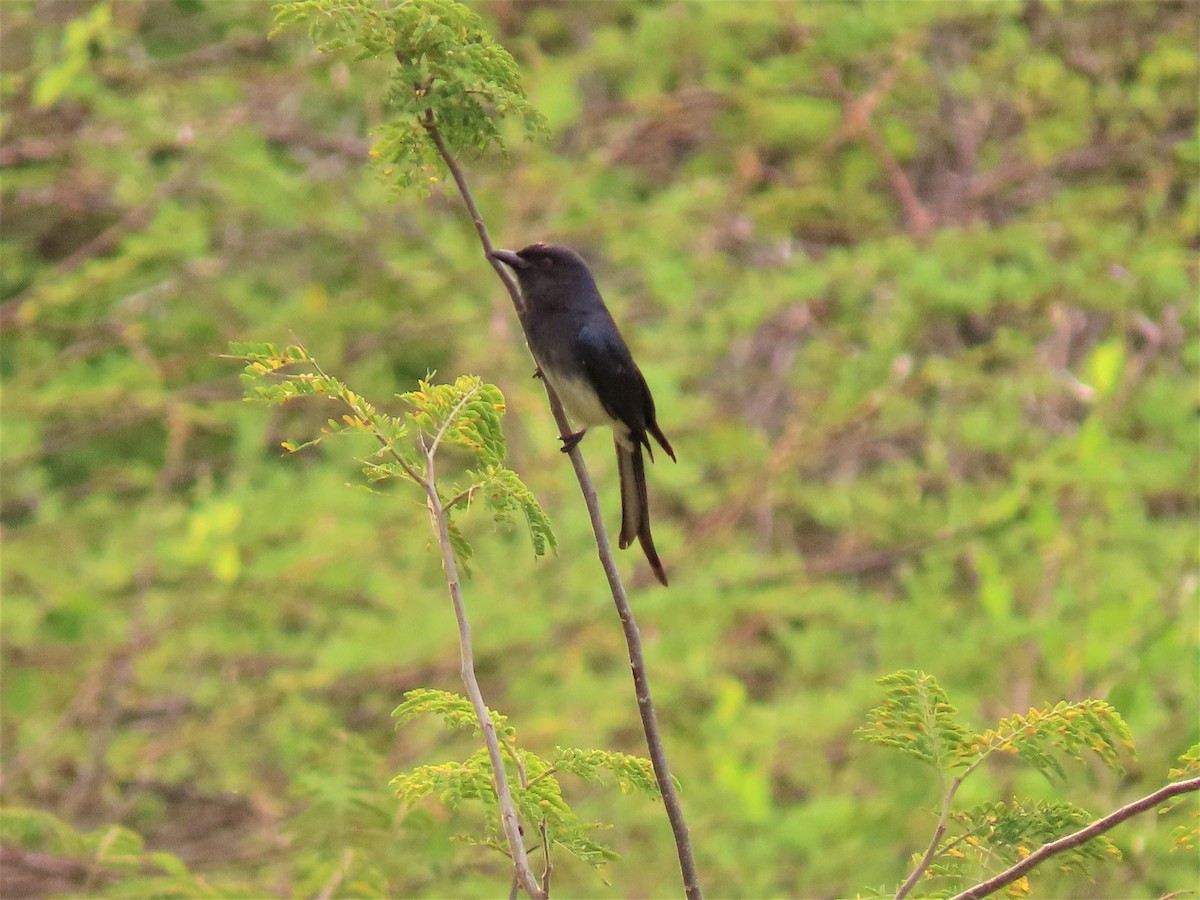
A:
[635,508]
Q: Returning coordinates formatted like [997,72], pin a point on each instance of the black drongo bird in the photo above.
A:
[580,352]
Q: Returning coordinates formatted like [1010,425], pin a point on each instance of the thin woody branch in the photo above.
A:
[856,122]
[508,811]
[654,742]
[931,851]
[1078,838]
[522,873]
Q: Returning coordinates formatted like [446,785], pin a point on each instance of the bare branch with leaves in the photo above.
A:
[452,84]
[465,414]
[917,718]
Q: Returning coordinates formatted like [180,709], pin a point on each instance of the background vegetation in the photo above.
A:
[914,285]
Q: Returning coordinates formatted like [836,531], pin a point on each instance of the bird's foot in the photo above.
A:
[570,440]
[537,373]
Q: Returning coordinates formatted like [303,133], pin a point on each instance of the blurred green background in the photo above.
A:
[914,285]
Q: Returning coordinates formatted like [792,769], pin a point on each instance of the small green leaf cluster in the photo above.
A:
[1068,728]
[536,789]
[1185,836]
[1006,833]
[454,709]
[917,718]
[466,414]
[452,74]
[1189,763]
[342,808]
[634,774]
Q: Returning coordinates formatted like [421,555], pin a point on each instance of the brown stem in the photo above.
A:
[522,873]
[339,875]
[1079,838]
[633,640]
[485,239]
[856,120]
[931,850]
[508,811]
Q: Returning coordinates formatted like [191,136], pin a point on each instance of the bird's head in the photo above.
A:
[547,272]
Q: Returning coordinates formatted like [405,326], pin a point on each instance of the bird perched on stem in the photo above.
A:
[581,353]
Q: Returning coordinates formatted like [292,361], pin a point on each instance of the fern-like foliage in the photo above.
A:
[536,788]
[506,496]
[451,74]
[453,709]
[542,801]
[1189,763]
[343,809]
[1009,832]
[451,782]
[916,718]
[466,414]
[1066,728]
[633,774]
[1185,837]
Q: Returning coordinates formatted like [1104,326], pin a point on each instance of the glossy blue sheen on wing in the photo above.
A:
[609,368]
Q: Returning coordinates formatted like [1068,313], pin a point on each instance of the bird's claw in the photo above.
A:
[570,440]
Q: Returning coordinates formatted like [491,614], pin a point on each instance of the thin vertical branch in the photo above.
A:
[548,867]
[523,777]
[633,640]
[931,851]
[508,812]
[522,874]
[339,875]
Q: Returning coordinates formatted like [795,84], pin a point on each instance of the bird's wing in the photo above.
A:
[612,373]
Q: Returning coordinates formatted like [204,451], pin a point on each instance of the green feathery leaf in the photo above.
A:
[1068,728]
[451,74]
[452,782]
[454,709]
[1185,837]
[633,773]
[1189,763]
[1011,831]
[916,717]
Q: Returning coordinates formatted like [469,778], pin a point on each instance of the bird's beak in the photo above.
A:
[509,258]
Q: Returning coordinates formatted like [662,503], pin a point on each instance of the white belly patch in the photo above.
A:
[580,402]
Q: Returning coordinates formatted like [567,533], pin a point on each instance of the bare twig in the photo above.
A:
[522,873]
[549,866]
[339,875]
[480,228]
[637,662]
[1078,838]
[508,811]
[856,121]
[931,851]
